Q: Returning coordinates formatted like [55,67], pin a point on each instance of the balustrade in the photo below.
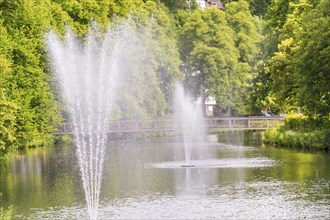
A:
[244,123]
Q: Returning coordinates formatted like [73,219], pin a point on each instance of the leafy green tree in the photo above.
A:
[174,5]
[247,41]
[257,7]
[82,13]
[29,110]
[282,68]
[295,71]
[261,96]
[313,60]
[275,19]
[152,45]
[149,87]
[218,48]
[28,86]
[241,21]
[7,126]
[277,13]
[8,112]
[208,49]
[7,108]
[267,93]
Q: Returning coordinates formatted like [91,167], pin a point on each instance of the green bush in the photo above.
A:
[318,139]
[64,140]
[294,121]
[300,122]
[300,131]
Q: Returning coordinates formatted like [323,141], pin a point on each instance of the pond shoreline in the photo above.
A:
[313,140]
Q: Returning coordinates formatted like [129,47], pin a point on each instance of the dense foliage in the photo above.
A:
[296,72]
[219,49]
[300,131]
[256,54]
[297,61]
[29,109]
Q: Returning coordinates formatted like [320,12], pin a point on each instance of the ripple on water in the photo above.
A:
[217,163]
[243,200]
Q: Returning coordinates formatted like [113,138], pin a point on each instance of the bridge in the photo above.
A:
[212,124]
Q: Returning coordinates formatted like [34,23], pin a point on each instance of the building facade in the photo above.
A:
[210,3]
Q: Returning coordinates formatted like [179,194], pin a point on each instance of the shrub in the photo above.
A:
[300,131]
[299,122]
[294,121]
[318,139]
[6,214]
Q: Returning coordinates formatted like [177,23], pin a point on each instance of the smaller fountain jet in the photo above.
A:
[191,122]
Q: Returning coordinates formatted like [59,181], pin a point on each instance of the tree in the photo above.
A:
[257,7]
[247,41]
[82,13]
[219,48]
[241,21]
[208,48]
[313,60]
[29,110]
[152,62]
[7,125]
[27,86]
[268,92]
[296,69]
[175,5]
[275,18]
[282,67]
[8,109]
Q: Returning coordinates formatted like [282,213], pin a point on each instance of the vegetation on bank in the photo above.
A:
[270,55]
[300,131]
[5,213]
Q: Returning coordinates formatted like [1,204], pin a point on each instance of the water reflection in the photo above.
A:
[44,183]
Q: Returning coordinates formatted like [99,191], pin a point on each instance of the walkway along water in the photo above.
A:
[225,123]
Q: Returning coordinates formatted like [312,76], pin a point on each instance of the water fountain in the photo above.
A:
[86,74]
[191,122]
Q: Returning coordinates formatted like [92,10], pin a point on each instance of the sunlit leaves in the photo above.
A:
[313,60]
[220,47]
[295,70]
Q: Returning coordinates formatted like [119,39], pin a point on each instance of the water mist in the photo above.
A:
[191,124]
[86,74]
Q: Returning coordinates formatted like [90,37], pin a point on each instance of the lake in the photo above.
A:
[235,177]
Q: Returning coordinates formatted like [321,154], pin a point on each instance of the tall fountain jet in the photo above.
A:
[191,123]
[86,73]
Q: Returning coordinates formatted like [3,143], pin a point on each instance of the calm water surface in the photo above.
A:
[235,177]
